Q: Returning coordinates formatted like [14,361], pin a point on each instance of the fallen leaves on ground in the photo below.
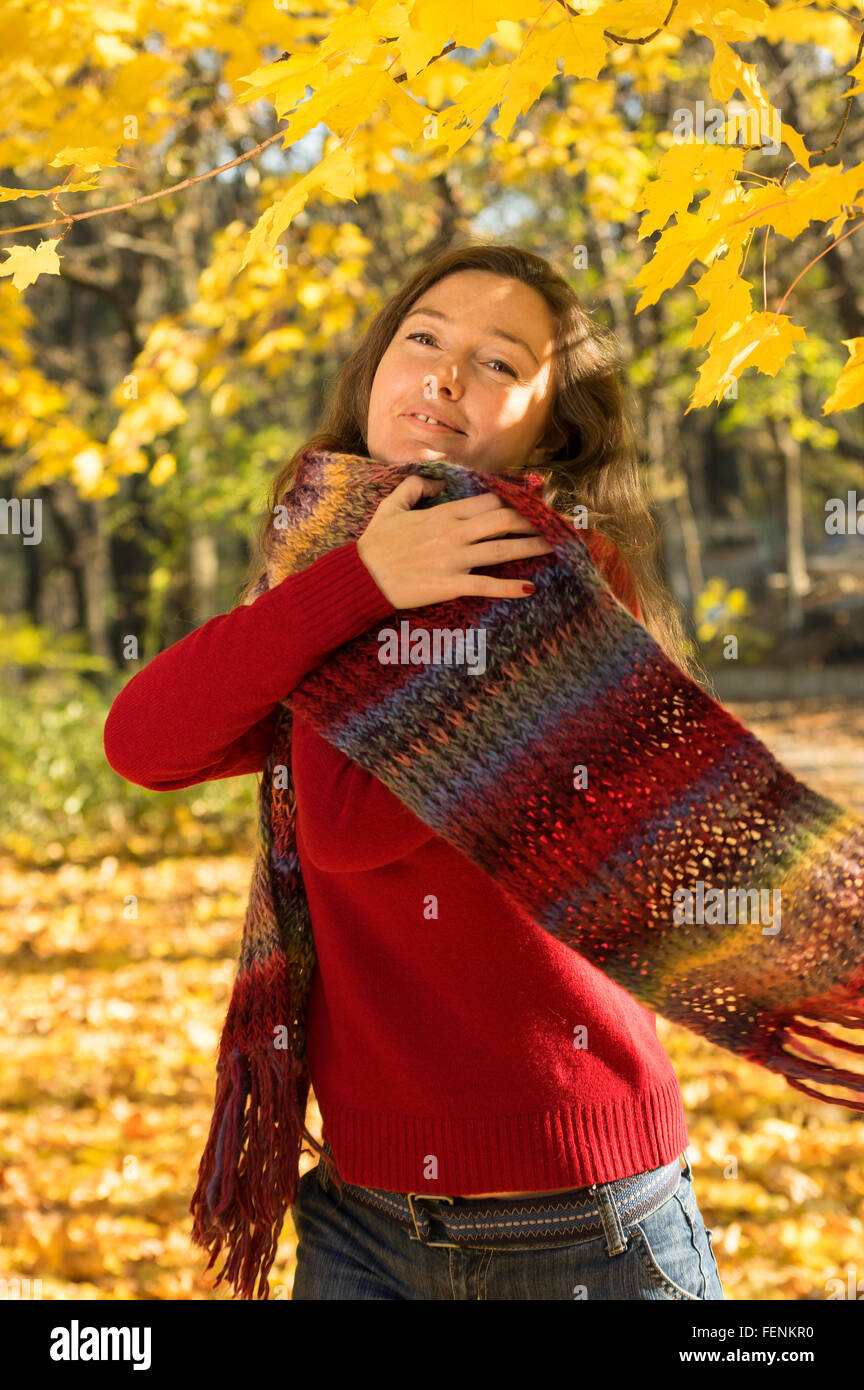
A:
[115,987]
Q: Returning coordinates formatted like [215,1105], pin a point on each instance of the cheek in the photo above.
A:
[387,388]
[516,410]
[534,407]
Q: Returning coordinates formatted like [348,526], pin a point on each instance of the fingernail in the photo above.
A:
[528,588]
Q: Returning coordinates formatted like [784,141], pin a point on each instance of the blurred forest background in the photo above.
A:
[148,395]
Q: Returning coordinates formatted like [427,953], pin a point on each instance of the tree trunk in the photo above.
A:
[797,579]
[31,601]
[203,555]
[80,523]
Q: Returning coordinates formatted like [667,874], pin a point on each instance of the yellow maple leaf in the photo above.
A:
[694,236]
[429,32]
[729,301]
[89,159]
[350,101]
[27,263]
[681,170]
[764,340]
[335,174]
[484,90]
[729,73]
[531,72]
[849,390]
[471,25]
[821,195]
[359,29]
[285,82]
[584,50]
[795,142]
[858,85]
[631,16]
[7,195]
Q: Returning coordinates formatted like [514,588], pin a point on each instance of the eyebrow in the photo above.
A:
[496,332]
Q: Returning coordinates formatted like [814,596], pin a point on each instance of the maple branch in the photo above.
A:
[828,148]
[71,217]
[771,54]
[852,18]
[619,38]
[834,243]
[743,266]
[55,199]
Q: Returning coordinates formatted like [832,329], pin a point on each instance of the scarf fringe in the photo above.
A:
[804,1064]
[249,1170]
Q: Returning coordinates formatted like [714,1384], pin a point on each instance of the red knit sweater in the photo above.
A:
[442,1020]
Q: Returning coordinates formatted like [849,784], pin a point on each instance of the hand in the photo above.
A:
[420,557]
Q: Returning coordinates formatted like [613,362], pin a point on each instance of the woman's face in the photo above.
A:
[476,351]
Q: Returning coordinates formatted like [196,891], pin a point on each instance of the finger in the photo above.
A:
[470,506]
[494,523]
[487,586]
[497,552]
[409,492]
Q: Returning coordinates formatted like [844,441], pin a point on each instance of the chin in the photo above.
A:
[427,453]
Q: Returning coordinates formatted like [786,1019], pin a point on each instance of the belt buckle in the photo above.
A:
[438,1244]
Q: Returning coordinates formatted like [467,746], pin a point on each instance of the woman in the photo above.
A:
[544,1098]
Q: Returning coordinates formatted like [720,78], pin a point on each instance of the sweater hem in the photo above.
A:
[572,1146]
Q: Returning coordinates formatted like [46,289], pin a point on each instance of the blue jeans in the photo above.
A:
[349,1250]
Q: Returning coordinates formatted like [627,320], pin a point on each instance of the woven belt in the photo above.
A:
[565,1218]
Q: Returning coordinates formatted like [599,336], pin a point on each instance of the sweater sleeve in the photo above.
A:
[615,570]
[205,708]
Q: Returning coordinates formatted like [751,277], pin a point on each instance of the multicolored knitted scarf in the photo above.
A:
[624,809]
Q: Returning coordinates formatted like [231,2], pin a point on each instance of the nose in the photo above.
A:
[444,381]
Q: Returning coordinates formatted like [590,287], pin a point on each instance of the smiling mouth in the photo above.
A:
[432,424]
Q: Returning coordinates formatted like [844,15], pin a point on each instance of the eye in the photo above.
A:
[496,361]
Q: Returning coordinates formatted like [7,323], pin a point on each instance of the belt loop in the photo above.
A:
[616,1237]
[685,1164]
[434,1197]
[410,1199]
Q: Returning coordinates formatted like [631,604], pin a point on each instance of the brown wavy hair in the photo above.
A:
[596,464]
